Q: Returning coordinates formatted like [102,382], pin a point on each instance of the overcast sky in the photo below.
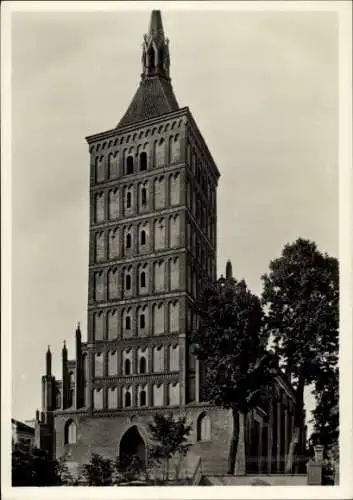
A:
[262,87]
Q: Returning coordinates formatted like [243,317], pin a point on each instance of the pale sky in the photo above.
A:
[262,86]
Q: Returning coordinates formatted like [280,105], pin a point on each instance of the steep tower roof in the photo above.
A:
[155,94]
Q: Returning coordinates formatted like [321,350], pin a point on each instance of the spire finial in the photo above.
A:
[229,272]
[48,362]
[155,52]
[156,25]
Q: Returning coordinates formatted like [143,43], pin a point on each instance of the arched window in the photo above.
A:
[143,161]
[143,398]
[128,240]
[70,432]
[143,237]
[128,282]
[128,323]
[128,199]
[70,401]
[143,196]
[142,367]
[127,367]
[203,428]
[58,399]
[127,399]
[129,165]
[143,279]
[71,377]
[142,321]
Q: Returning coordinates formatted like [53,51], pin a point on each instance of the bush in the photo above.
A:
[34,467]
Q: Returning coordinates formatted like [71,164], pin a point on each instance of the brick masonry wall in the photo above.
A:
[102,434]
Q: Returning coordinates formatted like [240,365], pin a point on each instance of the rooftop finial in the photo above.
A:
[48,362]
[155,52]
[229,272]
[156,25]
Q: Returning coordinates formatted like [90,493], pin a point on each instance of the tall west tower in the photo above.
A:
[152,243]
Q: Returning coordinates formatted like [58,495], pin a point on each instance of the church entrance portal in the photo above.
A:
[132,445]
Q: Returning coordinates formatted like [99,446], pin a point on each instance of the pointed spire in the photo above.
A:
[48,362]
[78,341]
[229,272]
[155,96]
[156,25]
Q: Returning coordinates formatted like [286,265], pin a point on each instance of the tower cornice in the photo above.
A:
[134,127]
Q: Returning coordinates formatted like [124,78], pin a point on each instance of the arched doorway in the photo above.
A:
[132,448]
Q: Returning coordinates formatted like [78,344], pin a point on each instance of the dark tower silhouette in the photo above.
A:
[48,362]
[229,272]
[65,387]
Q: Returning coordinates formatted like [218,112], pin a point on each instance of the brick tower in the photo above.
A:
[152,244]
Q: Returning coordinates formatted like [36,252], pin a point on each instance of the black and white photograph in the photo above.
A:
[176,243]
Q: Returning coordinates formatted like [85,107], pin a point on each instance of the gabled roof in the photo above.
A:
[21,426]
[154,97]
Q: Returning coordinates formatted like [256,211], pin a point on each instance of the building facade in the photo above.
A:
[152,243]
[22,433]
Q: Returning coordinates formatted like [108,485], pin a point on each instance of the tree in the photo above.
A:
[99,471]
[326,412]
[229,342]
[34,467]
[170,437]
[64,473]
[300,297]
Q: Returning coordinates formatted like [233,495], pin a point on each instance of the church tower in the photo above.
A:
[152,244]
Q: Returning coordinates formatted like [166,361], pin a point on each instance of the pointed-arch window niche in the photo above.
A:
[143,237]
[70,432]
[128,323]
[143,279]
[203,430]
[143,398]
[127,399]
[128,199]
[129,165]
[128,282]
[127,367]
[143,196]
[143,161]
[142,365]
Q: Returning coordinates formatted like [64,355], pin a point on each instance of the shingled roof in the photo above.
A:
[154,97]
